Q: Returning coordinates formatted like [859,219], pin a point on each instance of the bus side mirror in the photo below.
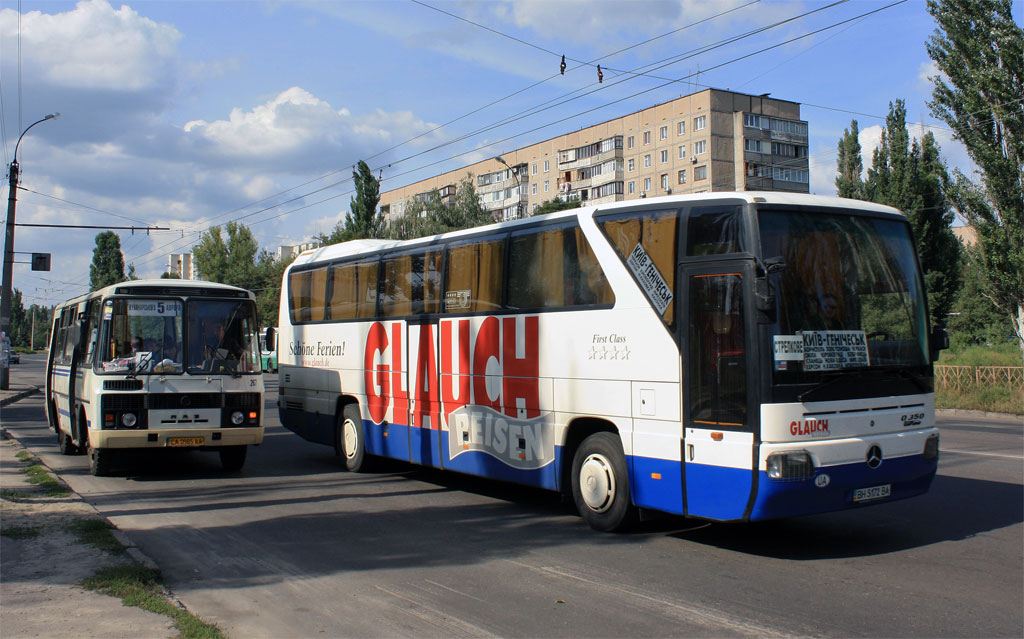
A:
[271,339]
[764,298]
[939,341]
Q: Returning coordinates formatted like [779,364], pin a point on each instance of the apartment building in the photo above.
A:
[711,140]
[181,264]
[288,251]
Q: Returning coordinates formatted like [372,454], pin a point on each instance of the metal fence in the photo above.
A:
[965,377]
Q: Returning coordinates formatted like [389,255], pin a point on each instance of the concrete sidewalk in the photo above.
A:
[16,392]
[42,562]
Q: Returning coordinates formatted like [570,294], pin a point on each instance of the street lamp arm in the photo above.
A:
[52,116]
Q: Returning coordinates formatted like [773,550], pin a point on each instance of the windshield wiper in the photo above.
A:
[135,371]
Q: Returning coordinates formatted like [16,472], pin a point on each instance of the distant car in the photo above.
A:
[15,357]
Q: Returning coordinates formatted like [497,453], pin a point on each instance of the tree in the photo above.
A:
[107,261]
[850,165]
[557,205]
[979,50]
[362,220]
[911,176]
[975,319]
[19,325]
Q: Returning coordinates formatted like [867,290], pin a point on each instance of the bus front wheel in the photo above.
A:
[100,460]
[232,458]
[600,485]
[350,438]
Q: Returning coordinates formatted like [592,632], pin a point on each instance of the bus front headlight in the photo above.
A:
[789,466]
[237,418]
[128,420]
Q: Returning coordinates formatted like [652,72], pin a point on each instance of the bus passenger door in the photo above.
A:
[717,339]
[424,393]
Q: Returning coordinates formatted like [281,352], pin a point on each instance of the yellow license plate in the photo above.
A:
[185,441]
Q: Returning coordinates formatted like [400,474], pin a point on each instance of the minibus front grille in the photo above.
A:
[242,400]
[187,401]
[122,384]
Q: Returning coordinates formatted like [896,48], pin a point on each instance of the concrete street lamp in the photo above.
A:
[519,186]
[6,291]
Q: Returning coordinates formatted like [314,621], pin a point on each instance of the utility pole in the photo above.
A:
[6,291]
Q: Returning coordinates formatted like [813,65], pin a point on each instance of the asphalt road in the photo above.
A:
[294,547]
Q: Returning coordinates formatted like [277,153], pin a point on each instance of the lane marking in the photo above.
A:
[969,452]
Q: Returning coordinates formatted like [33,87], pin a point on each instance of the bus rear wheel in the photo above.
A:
[64,443]
[232,458]
[350,439]
[600,485]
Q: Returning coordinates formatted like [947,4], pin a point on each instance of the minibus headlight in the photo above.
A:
[237,418]
[128,420]
[931,448]
[789,466]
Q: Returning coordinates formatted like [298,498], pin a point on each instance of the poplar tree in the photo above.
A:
[850,165]
[107,261]
[362,220]
[979,50]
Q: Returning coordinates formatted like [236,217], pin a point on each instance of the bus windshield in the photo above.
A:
[142,336]
[222,337]
[850,296]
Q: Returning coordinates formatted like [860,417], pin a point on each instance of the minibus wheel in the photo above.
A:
[100,460]
[600,485]
[350,438]
[67,447]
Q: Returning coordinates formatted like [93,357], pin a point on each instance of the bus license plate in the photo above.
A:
[185,441]
[875,492]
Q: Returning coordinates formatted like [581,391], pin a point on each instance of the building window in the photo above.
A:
[700,122]
[789,175]
[647,184]
[682,152]
[533,169]
[533,189]
[647,137]
[788,126]
[681,127]
[700,173]
[789,150]
[631,164]
[547,165]
[700,147]
[647,161]
[754,146]
[663,133]
[754,121]
[682,176]
[664,181]
[664,156]
[605,190]
[629,142]
[632,188]
[547,185]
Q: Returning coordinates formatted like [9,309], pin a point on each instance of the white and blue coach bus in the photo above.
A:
[728,356]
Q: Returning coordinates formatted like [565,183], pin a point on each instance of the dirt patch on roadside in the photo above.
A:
[43,563]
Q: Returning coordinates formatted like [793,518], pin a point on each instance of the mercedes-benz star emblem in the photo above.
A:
[185,401]
[874,457]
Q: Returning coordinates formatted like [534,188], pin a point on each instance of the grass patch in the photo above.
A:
[139,586]
[24,456]
[39,476]
[96,533]
[13,494]
[19,532]
[995,399]
[1001,355]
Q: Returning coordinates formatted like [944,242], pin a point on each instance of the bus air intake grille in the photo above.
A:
[242,400]
[188,401]
[117,403]
[122,384]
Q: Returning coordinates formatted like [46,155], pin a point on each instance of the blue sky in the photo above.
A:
[190,113]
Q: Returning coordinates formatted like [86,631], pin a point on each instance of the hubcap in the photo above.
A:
[350,439]
[597,483]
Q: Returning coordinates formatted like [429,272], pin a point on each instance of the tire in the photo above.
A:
[232,458]
[101,461]
[350,439]
[67,447]
[600,484]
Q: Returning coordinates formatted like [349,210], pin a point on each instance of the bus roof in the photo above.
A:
[368,246]
[172,286]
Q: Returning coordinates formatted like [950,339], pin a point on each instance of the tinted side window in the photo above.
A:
[555,268]
[655,233]
[473,276]
[713,230]
[354,290]
[412,284]
[298,296]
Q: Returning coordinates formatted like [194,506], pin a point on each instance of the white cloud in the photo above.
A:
[869,139]
[94,46]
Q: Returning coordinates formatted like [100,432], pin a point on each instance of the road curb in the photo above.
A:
[10,399]
[964,412]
